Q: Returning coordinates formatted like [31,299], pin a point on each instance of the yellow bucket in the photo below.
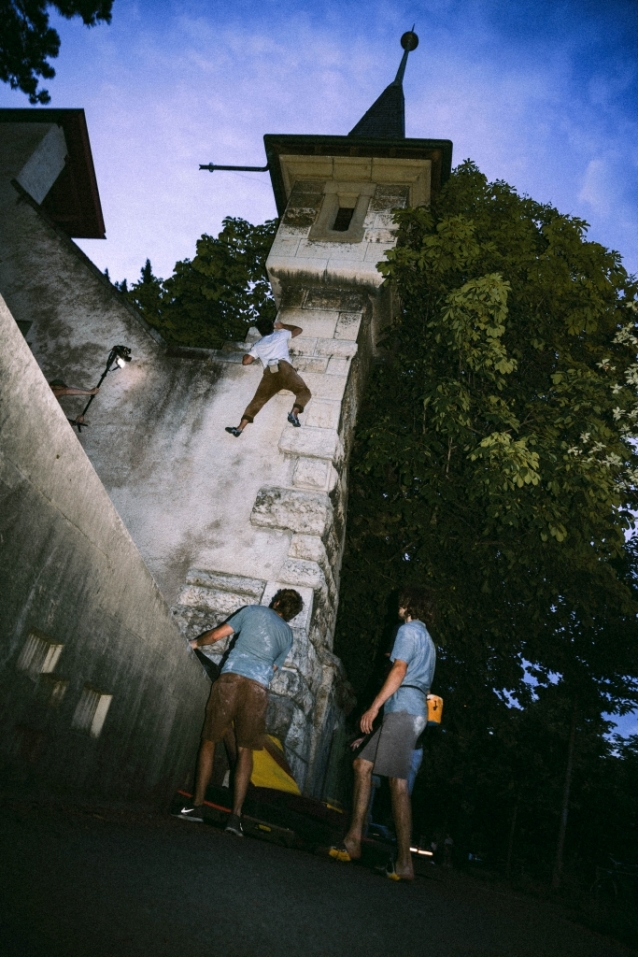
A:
[435,710]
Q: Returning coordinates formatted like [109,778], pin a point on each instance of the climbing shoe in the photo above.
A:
[233,826]
[190,812]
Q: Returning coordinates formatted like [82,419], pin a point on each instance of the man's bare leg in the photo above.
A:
[402,814]
[204,771]
[360,803]
[243,771]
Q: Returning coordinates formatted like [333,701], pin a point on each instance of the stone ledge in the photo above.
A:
[311,443]
[254,587]
[338,366]
[326,386]
[215,600]
[343,348]
[305,364]
[348,325]
[302,346]
[297,571]
[313,473]
[323,414]
[305,512]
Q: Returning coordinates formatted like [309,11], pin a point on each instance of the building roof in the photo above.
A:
[439,152]
[73,202]
[386,116]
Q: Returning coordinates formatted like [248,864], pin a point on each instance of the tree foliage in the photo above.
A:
[217,295]
[27,42]
[495,461]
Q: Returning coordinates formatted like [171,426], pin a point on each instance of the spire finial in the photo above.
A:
[409,42]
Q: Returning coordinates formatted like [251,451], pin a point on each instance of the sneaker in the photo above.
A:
[234,826]
[190,812]
[233,431]
[292,418]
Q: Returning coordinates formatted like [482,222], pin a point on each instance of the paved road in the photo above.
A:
[76,884]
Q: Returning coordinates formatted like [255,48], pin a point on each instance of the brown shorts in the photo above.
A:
[240,702]
[272,383]
[390,747]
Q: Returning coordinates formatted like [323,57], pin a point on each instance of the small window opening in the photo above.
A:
[91,711]
[54,689]
[39,655]
[343,219]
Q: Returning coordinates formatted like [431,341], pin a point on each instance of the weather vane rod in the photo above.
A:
[243,169]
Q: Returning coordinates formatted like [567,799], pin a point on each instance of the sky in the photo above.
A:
[541,94]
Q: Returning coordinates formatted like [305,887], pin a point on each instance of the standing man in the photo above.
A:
[389,750]
[240,694]
[278,374]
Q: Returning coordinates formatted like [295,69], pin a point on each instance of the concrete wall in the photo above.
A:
[100,694]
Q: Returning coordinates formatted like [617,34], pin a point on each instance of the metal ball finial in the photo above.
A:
[409,41]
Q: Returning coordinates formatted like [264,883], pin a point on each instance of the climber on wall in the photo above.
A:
[278,374]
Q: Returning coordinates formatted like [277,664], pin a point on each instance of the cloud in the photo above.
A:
[542,95]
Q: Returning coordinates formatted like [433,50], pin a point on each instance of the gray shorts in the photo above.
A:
[390,747]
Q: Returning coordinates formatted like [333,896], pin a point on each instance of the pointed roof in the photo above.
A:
[386,117]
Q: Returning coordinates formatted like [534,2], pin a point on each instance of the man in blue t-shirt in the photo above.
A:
[388,751]
[239,697]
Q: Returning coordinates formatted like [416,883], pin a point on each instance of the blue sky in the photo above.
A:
[540,94]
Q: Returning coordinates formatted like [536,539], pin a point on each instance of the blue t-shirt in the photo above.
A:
[414,646]
[263,640]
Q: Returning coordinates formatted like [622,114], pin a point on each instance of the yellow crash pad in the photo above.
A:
[270,768]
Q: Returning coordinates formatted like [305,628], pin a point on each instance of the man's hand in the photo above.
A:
[390,685]
[295,330]
[368,718]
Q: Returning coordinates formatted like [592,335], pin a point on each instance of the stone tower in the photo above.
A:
[335,196]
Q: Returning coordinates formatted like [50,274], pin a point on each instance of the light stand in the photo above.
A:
[118,357]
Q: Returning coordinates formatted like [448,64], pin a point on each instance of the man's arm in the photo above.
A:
[71,390]
[247,360]
[209,637]
[391,684]
[294,330]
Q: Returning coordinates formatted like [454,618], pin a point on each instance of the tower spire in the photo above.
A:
[386,116]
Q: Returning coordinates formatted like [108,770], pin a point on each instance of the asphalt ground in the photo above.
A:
[77,883]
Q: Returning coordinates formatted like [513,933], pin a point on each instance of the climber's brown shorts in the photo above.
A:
[272,383]
[240,702]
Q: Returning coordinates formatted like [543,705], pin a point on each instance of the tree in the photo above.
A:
[495,461]
[27,41]
[217,295]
